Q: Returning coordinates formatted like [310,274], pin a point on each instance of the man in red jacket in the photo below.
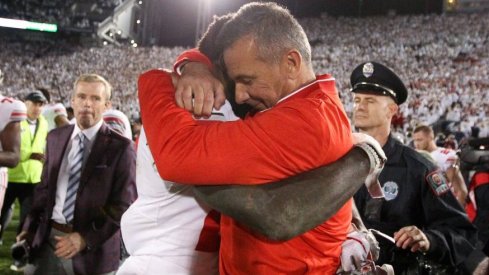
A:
[298,124]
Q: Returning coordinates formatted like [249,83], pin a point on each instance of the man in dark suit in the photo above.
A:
[88,181]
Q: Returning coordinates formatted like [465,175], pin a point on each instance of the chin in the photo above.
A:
[357,122]
[260,107]
[85,123]
[361,125]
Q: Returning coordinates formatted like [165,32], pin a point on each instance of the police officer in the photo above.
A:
[427,223]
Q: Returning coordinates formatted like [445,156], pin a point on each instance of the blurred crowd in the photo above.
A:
[56,68]
[86,175]
[67,14]
[443,59]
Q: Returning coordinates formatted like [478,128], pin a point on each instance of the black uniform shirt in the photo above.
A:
[416,193]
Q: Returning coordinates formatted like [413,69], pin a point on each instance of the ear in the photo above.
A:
[393,108]
[293,60]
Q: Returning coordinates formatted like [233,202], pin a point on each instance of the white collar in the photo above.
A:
[300,89]
[90,132]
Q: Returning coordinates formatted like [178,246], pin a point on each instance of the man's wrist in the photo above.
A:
[375,161]
[180,67]
[192,55]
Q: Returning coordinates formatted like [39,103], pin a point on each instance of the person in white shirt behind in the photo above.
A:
[118,122]
[12,112]
[54,113]
[181,233]
[445,158]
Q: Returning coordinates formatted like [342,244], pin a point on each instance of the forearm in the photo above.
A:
[9,159]
[290,207]
[10,140]
[357,219]
[459,187]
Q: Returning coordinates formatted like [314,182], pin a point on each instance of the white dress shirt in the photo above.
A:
[62,184]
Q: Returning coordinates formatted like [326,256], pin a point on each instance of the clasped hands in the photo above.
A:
[66,247]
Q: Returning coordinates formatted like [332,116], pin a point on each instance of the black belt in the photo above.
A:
[65,228]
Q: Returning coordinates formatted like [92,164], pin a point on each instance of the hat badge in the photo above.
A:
[368,69]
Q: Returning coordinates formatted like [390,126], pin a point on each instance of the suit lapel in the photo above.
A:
[97,154]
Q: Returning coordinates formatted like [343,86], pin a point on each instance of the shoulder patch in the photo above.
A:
[436,180]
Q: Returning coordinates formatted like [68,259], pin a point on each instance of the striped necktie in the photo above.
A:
[76,161]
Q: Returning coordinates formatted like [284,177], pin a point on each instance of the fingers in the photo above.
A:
[413,238]
[64,252]
[219,95]
[404,237]
[179,90]
[356,261]
[21,236]
[203,102]
[198,91]
[419,246]
[65,247]
[199,100]
[207,104]
[187,97]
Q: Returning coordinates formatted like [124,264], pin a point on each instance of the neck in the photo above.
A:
[431,147]
[306,77]
[381,134]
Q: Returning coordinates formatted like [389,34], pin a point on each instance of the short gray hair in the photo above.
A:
[273,28]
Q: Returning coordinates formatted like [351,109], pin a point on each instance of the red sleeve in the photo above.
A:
[271,145]
[191,55]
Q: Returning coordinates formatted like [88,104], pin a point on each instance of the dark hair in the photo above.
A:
[208,44]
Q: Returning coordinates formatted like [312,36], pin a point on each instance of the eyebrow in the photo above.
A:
[365,97]
[243,76]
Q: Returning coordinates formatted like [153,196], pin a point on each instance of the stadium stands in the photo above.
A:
[443,59]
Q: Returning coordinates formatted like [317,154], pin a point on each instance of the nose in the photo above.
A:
[38,108]
[359,105]
[241,94]
[87,102]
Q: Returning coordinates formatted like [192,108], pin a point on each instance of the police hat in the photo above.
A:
[372,77]
[36,96]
